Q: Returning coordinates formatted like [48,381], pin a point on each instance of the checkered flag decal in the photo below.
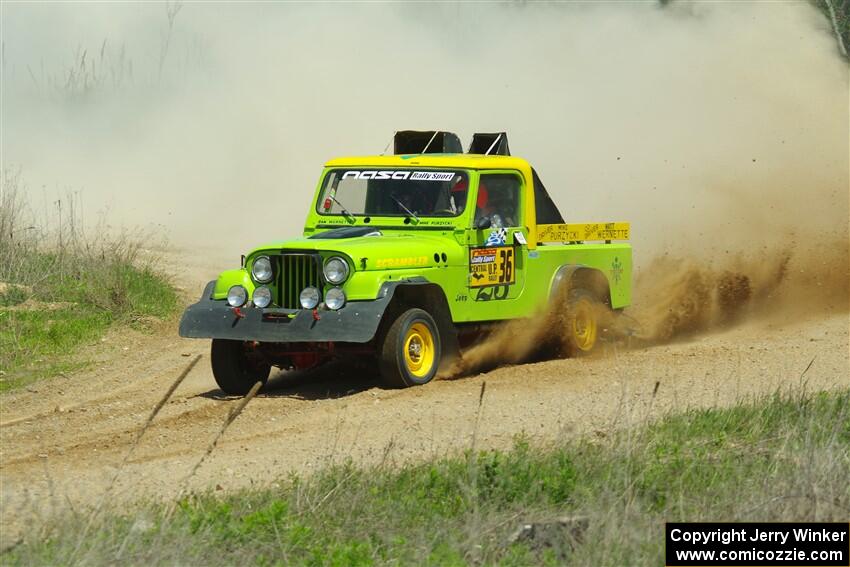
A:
[497,237]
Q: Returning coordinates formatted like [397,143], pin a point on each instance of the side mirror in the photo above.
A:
[483,222]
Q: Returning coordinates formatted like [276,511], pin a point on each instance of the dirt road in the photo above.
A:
[61,440]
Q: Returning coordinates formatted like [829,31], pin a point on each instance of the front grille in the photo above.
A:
[294,272]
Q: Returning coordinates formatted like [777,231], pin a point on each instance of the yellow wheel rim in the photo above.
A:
[584,327]
[419,350]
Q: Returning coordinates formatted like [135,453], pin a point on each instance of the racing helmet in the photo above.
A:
[458,194]
[462,186]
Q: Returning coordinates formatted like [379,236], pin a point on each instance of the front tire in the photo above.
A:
[235,368]
[411,350]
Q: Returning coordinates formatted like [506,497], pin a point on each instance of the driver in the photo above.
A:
[501,203]
[483,207]
[495,202]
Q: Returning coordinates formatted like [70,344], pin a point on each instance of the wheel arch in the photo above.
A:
[428,296]
[581,276]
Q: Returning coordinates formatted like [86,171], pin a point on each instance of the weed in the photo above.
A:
[753,462]
[60,289]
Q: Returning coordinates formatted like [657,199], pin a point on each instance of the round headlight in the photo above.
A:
[262,269]
[262,296]
[335,298]
[336,270]
[309,297]
[237,296]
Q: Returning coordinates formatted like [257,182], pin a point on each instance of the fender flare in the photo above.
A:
[568,272]
[421,293]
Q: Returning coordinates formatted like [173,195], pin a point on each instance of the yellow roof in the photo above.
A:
[462,161]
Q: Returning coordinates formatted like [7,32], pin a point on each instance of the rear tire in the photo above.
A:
[235,369]
[411,350]
[584,319]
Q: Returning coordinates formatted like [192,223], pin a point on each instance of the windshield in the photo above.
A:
[394,192]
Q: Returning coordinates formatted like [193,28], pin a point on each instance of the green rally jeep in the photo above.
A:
[407,258]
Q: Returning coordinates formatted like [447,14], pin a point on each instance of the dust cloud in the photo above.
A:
[719,130]
[680,298]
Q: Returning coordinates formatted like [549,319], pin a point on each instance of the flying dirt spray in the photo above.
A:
[719,130]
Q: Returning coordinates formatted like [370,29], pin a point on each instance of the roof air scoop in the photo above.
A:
[426,142]
[495,144]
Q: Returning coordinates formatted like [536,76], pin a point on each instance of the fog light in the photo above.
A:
[262,296]
[335,298]
[309,297]
[237,296]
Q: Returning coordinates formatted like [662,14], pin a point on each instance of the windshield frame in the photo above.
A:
[322,193]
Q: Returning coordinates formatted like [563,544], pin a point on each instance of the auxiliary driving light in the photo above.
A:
[336,270]
[262,270]
[309,297]
[335,298]
[237,296]
[262,297]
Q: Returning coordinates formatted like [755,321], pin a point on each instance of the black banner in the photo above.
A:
[768,544]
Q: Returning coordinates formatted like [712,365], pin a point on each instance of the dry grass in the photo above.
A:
[782,458]
[60,287]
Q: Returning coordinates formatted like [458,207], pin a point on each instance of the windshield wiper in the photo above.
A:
[408,211]
[342,208]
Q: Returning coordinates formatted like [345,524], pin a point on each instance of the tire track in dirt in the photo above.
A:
[301,424]
[99,401]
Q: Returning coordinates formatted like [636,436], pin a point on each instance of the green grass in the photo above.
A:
[780,459]
[60,290]
[43,326]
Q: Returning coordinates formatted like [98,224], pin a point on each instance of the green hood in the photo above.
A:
[381,250]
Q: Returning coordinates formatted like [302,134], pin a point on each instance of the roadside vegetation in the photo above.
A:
[838,12]
[61,289]
[591,501]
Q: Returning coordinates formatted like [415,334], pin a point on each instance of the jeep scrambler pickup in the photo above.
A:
[407,258]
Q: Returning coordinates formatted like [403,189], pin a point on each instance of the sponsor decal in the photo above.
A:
[409,261]
[483,257]
[412,175]
[616,270]
[582,232]
[491,266]
[432,176]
